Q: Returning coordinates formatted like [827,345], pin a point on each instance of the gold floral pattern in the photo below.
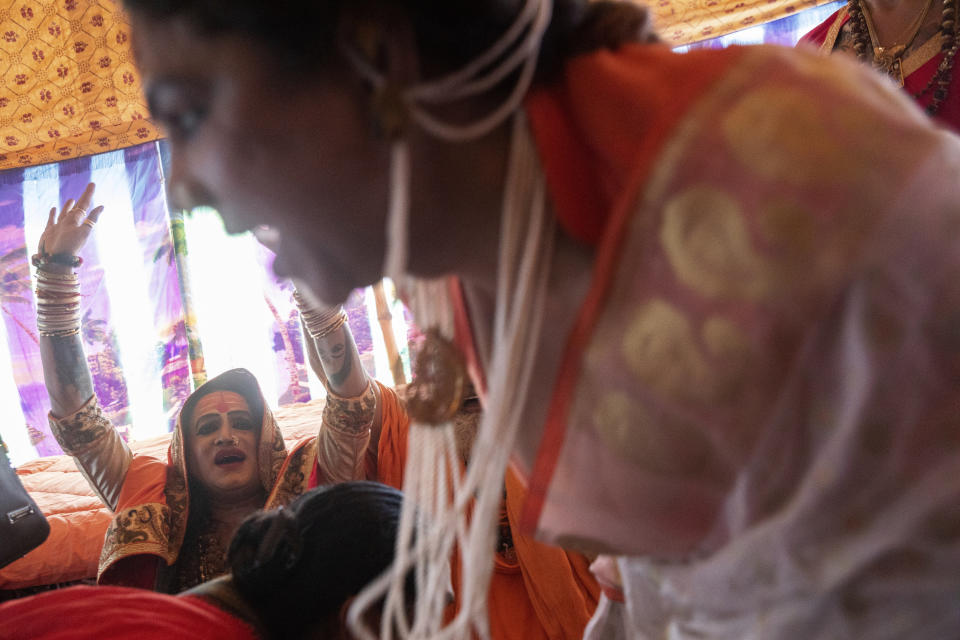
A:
[272,455]
[658,347]
[295,475]
[70,85]
[730,348]
[684,21]
[141,529]
[175,492]
[659,444]
[708,244]
[778,134]
[79,431]
[351,415]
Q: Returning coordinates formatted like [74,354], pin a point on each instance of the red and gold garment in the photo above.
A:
[919,66]
[763,375]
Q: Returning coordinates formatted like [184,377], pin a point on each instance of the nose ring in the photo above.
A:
[234,440]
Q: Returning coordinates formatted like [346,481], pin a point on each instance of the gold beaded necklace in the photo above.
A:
[890,59]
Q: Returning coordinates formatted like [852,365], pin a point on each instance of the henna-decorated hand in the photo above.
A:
[66,233]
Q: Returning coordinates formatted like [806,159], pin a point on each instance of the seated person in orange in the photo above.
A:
[537,591]
[739,338]
[293,572]
[227,457]
[914,41]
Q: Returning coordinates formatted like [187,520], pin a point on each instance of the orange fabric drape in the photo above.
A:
[70,87]
[392,446]
[550,595]
[559,585]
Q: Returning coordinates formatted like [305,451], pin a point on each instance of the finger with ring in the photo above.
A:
[88,222]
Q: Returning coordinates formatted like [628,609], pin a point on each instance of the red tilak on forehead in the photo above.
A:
[222,405]
[221,402]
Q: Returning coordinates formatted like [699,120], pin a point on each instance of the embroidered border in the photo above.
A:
[351,415]
[834,32]
[295,475]
[141,529]
[79,431]
[272,452]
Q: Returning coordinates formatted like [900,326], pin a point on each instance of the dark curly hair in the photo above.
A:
[299,564]
[302,32]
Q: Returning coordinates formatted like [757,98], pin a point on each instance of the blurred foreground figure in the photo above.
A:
[710,299]
[291,573]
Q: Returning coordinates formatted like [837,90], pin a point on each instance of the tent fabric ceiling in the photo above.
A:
[69,84]
[682,22]
[70,87]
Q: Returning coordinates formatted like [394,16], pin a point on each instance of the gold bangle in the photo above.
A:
[319,324]
[58,287]
[60,334]
[69,299]
[323,332]
[52,275]
[45,288]
[62,318]
[55,318]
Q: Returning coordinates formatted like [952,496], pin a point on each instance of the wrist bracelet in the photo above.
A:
[319,324]
[65,259]
[58,304]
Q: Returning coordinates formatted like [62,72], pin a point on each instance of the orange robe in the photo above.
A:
[151,497]
[774,283]
[538,591]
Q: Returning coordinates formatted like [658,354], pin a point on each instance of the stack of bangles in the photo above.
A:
[319,324]
[58,304]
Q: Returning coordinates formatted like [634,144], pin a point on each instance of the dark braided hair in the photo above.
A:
[298,565]
[301,33]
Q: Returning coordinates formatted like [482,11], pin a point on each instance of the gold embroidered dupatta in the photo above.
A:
[153,508]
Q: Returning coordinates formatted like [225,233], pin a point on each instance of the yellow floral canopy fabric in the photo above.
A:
[70,87]
[69,84]
[682,22]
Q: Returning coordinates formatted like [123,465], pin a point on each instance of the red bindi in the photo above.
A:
[222,406]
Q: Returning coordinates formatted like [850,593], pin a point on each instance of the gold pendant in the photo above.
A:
[888,61]
[439,379]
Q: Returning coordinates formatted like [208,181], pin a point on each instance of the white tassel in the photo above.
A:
[432,472]
[432,524]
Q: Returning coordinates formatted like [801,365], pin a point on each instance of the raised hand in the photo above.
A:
[66,233]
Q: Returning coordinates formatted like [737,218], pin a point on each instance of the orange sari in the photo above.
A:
[763,377]
[537,591]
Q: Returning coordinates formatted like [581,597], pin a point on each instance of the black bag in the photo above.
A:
[22,525]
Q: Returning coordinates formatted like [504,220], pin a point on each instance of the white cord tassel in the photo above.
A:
[432,474]
[526,249]
[398,217]
[437,498]
[468,81]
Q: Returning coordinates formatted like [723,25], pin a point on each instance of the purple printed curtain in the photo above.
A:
[136,333]
[130,184]
[142,342]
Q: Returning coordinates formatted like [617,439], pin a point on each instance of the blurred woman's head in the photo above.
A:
[299,566]
[270,124]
